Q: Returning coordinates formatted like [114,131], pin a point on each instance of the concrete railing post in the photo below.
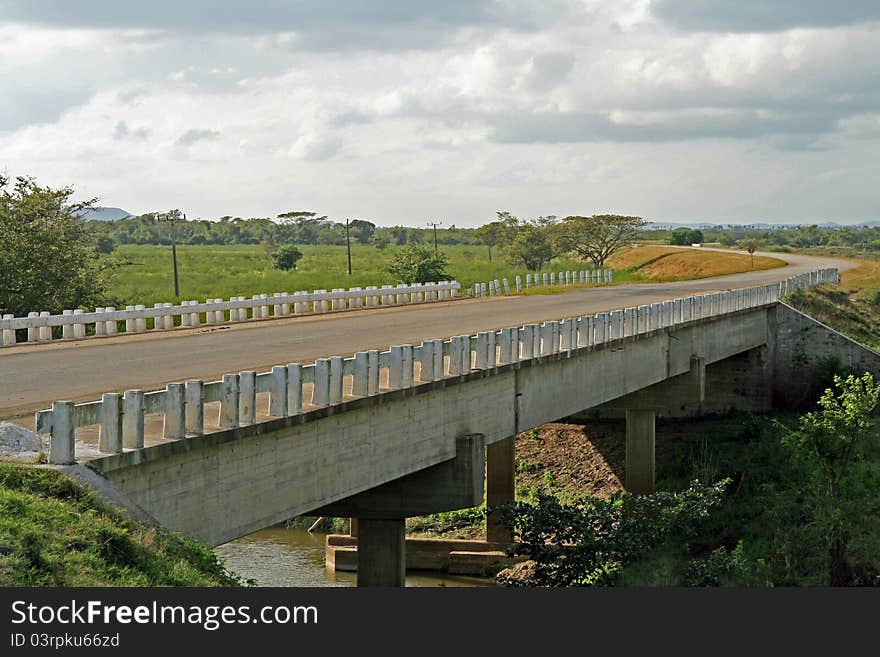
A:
[229,394]
[45,331]
[33,332]
[336,380]
[110,432]
[247,398]
[321,385]
[133,419]
[174,427]
[8,335]
[140,322]
[111,327]
[294,388]
[195,407]
[395,367]
[360,374]
[373,372]
[526,342]
[66,329]
[62,442]
[278,391]
[426,361]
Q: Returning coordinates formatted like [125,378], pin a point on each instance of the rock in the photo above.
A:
[519,572]
[15,440]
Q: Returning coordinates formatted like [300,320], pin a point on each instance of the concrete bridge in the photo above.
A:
[413,430]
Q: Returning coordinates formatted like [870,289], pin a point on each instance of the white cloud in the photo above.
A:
[570,106]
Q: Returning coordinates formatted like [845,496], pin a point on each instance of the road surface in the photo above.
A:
[32,376]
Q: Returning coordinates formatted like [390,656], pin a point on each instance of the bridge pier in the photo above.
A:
[640,451]
[500,487]
[381,552]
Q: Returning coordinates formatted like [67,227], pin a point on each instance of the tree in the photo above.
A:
[686,236]
[490,235]
[400,234]
[306,225]
[727,239]
[531,247]
[285,257]
[48,255]
[362,230]
[842,441]
[418,264]
[596,238]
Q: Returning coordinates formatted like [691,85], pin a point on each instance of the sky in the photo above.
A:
[404,112]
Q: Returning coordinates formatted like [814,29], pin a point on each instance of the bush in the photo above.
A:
[286,257]
[588,542]
[418,264]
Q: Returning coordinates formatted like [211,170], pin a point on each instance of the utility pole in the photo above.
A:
[171,217]
[434,224]
[348,245]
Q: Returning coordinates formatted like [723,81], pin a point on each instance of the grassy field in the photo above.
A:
[55,532]
[223,271]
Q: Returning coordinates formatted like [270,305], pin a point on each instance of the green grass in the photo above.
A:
[224,271]
[56,532]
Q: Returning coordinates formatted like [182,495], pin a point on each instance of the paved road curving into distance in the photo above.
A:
[32,376]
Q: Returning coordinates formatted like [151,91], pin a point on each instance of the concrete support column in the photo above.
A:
[381,552]
[500,487]
[639,451]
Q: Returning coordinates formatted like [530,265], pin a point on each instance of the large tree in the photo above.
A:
[48,255]
[490,235]
[597,237]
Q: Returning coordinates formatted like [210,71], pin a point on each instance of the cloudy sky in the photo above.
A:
[402,111]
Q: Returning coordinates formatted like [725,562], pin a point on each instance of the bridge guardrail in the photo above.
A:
[296,388]
[537,279]
[216,311]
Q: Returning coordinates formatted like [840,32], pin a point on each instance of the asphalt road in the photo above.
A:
[32,376]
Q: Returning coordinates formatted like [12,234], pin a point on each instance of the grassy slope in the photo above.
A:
[659,263]
[853,307]
[55,532]
[224,271]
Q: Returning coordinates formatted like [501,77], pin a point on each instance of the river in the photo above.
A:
[294,557]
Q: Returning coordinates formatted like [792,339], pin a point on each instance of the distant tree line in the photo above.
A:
[300,227]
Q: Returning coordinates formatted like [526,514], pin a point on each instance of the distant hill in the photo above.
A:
[105,214]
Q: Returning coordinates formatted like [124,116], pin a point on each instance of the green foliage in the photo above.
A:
[723,567]
[598,237]
[418,264]
[286,257]
[55,532]
[531,247]
[588,541]
[49,257]
[841,441]
[362,231]
[686,236]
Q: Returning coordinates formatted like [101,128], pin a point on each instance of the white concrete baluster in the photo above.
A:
[229,402]
[174,426]
[321,386]
[110,432]
[66,329]
[278,391]
[195,407]
[360,375]
[133,419]
[247,397]
[336,380]
[45,331]
[294,388]
[62,443]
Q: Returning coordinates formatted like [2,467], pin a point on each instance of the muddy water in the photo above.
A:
[294,557]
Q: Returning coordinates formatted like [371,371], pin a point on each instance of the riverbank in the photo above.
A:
[56,532]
